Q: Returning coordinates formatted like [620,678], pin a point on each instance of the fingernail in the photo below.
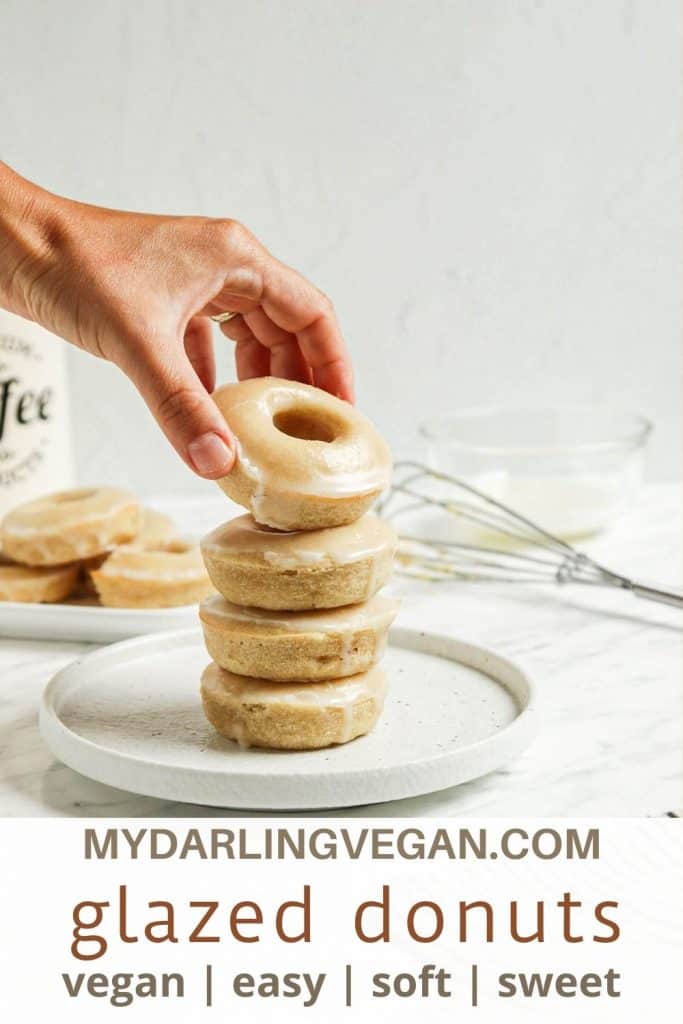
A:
[210,455]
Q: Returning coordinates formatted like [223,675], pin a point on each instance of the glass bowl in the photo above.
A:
[572,469]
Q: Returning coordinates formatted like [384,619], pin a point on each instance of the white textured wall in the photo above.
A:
[490,190]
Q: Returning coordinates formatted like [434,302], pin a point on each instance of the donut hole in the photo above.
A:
[80,495]
[307,425]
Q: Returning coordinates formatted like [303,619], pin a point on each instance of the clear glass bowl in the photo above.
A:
[572,469]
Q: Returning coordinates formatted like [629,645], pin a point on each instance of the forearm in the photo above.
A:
[29,224]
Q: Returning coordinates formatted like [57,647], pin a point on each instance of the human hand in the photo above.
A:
[138,289]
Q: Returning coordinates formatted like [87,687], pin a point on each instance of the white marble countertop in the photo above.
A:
[607,668]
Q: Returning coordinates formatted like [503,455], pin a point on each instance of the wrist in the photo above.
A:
[30,225]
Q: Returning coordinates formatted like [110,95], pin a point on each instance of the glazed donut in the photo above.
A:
[70,526]
[296,646]
[172,573]
[292,716]
[156,528]
[28,584]
[305,459]
[254,565]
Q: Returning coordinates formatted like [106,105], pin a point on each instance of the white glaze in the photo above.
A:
[342,693]
[378,611]
[245,539]
[179,562]
[50,515]
[153,574]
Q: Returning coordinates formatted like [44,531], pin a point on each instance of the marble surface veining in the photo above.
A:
[607,668]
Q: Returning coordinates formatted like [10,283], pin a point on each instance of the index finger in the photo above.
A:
[294,304]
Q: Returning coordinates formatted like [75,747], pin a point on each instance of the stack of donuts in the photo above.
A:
[297,628]
[99,540]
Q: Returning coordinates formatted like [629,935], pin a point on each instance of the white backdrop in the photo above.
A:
[488,189]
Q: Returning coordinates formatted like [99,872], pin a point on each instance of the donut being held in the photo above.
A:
[305,459]
[70,526]
[36,585]
[296,646]
[254,565]
[162,576]
[292,716]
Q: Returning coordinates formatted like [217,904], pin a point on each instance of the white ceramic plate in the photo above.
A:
[85,622]
[130,716]
[89,623]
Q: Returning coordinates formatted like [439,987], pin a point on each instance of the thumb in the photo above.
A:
[185,411]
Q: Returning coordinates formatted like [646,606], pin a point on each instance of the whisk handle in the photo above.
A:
[651,593]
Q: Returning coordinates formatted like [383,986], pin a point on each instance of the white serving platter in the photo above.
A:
[130,716]
[82,620]
[89,623]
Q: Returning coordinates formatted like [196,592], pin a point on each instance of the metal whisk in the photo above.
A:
[508,558]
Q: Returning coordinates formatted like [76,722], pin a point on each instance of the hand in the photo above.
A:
[138,289]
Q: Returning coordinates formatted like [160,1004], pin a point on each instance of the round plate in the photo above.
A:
[130,716]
